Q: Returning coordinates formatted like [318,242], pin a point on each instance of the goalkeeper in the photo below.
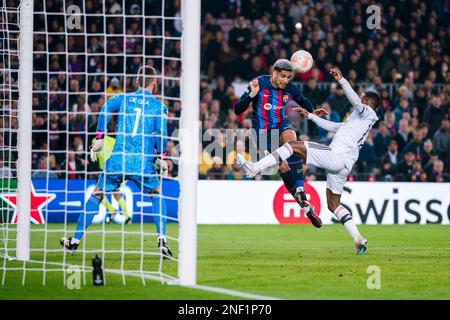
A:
[141,128]
[103,155]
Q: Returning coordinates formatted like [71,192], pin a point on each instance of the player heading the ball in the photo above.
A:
[338,158]
[269,94]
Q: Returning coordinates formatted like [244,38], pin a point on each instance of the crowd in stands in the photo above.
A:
[406,60]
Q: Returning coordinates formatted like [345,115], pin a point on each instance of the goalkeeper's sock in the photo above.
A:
[159,207]
[346,219]
[275,158]
[85,219]
[123,207]
[108,205]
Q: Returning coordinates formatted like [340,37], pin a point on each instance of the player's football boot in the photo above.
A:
[110,218]
[249,168]
[361,246]
[164,248]
[128,219]
[68,246]
[312,216]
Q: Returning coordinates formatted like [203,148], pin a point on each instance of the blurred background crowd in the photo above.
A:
[406,60]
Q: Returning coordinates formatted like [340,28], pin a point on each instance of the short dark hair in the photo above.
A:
[283,65]
[146,75]
[374,98]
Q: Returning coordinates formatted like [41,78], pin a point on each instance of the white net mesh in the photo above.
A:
[86,52]
[9,70]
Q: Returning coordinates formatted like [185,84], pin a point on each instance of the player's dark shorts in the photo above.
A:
[269,139]
[109,182]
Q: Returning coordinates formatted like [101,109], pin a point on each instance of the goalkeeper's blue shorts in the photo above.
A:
[109,182]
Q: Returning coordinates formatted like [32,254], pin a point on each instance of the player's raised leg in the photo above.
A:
[344,216]
[275,158]
[291,171]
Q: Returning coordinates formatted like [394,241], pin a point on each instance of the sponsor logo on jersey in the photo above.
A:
[267,106]
[288,211]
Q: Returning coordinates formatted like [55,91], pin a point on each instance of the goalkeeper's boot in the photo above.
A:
[68,245]
[301,199]
[249,168]
[164,248]
[110,218]
[361,245]
[128,219]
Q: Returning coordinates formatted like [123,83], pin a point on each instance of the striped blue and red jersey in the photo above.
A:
[269,103]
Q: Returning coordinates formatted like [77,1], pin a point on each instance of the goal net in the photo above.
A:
[84,54]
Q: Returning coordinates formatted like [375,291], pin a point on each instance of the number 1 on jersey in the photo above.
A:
[136,124]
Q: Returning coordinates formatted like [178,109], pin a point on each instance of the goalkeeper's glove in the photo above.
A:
[162,166]
[96,147]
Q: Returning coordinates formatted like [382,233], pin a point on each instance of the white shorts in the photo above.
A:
[321,156]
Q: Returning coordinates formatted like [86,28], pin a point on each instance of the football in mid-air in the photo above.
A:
[302,61]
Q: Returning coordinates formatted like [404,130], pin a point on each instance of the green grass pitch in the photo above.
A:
[284,261]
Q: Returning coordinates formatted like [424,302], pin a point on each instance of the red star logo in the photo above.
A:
[38,201]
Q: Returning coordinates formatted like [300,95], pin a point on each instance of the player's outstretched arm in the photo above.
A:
[302,101]
[352,96]
[247,97]
[323,123]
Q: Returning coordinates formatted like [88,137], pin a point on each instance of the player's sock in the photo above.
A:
[275,158]
[85,219]
[346,219]
[108,205]
[123,207]
[159,207]
[293,179]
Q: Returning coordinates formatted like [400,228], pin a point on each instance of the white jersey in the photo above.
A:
[352,134]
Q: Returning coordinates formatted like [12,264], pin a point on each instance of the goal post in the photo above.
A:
[187,267]
[66,66]
[24,134]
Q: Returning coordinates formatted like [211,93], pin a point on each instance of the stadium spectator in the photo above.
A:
[326,136]
[381,140]
[42,172]
[241,39]
[403,135]
[441,140]
[406,166]
[339,102]
[434,113]
[438,174]
[217,171]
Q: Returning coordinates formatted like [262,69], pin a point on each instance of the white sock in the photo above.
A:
[305,208]
[283,152]
[163,238]
[349,224]
[74,241]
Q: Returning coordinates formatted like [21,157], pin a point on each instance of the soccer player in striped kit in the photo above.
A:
[141,128]
[338,158]
[269,94]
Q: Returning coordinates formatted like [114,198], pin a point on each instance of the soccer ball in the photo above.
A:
[302,61]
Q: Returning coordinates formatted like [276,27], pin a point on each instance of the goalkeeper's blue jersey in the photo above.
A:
[141,131]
